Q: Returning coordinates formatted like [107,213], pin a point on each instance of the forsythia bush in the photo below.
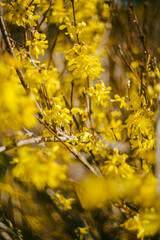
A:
[79,121]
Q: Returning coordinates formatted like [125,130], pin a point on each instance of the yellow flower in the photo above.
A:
[58,113]
[100,94]
[116,165]
[82,64]
[38,168]
[17,109]
[73,30]
[20,12]
[38,44]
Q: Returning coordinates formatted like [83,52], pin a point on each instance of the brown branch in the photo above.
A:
[87,107]
[12,5]
[141,36]
[129,67]
[46,96]
[126,207]
[71,123]
[44,16]
[145,20]
[30,3]
[10,51]
[88,85]
[72,86]
[130,25]
[75,22]
[52,49]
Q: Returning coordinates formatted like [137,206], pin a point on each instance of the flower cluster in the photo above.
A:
[21,12]
[37,44]
[17,109]
[58,114]
[82,63]
[32,163]
[100,94]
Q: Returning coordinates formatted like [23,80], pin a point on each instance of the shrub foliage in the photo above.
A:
[80,120]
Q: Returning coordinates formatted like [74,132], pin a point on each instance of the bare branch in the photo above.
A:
[35,140]
[44,16]
[71,122]
[75,22]
[129,67]
[52,49]
[141,36]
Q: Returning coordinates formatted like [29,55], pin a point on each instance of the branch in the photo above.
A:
[146,20]
[141,36]
[123,205]
[75,22]
[83,161]
[52,49]
[88,109]
[30,3]
[11,52]
[34,140]
[129,67]
[74,118]
[71,122]
[44,16]
[158,147]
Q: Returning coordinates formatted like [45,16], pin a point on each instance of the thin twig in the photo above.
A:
[74,118]
[72,87]
[44,16]
[34,140]
[52,49]
[30,3]
[145,20]
[71,123]
[83,161]
[130,25]
[46,96]
[12,5]
[129,67]
[126,207]
[75,22]
[141,36]
[88,86]
[88,109]
[33,62]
